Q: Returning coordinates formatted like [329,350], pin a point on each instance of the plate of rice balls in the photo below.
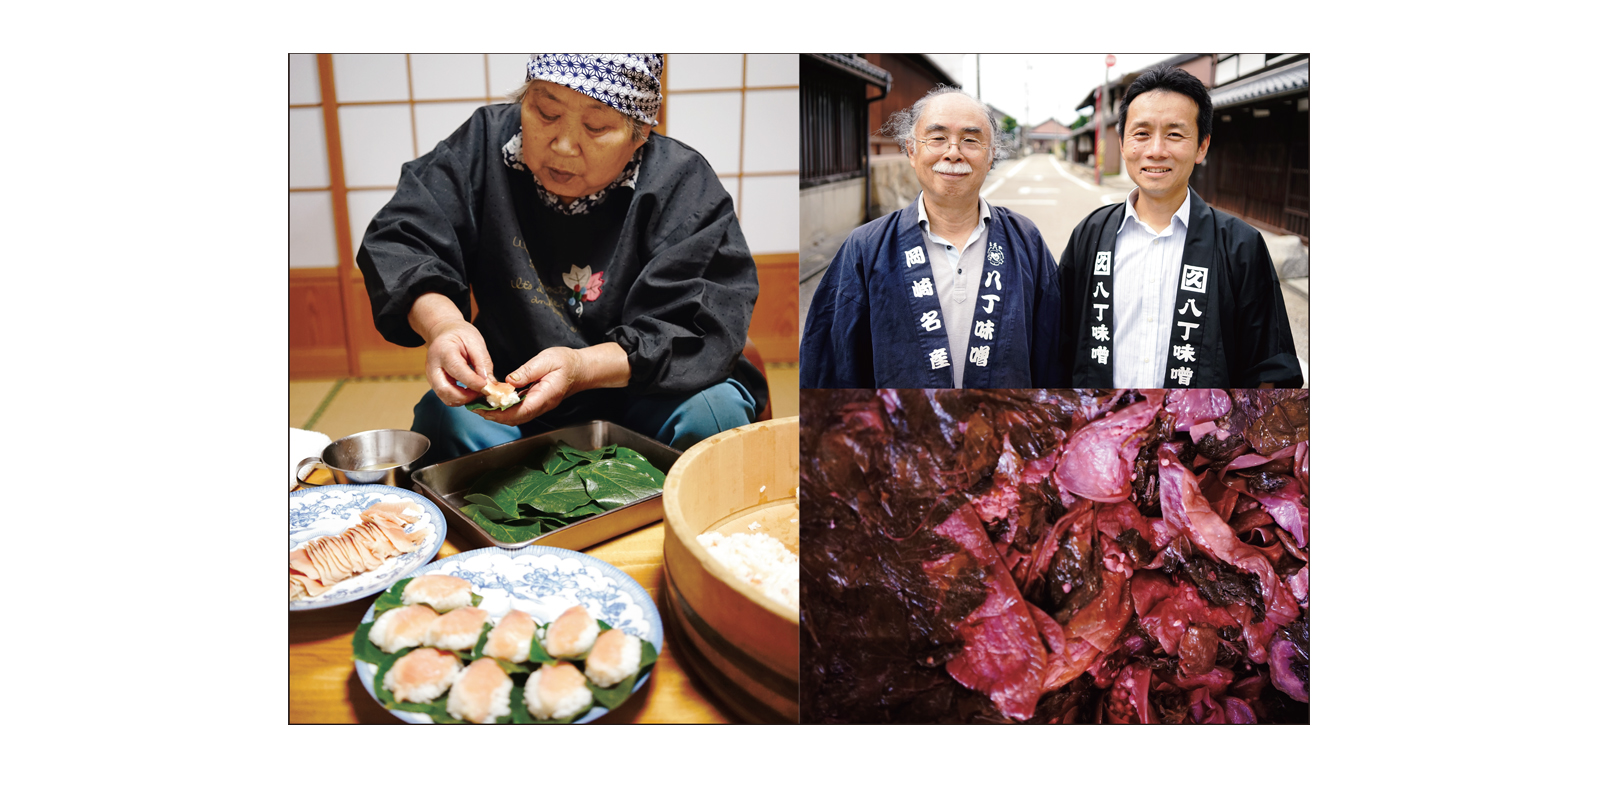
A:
[538,635]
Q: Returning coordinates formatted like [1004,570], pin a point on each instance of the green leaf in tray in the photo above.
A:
[533,484]
[511,531]
[490,502]
[588,510]
[633,457]
[493,513]
[562,496]
[552,521]
[556,462]
[616,483]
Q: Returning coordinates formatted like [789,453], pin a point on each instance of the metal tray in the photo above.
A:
[448,482]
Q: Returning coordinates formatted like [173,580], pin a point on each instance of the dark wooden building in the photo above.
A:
[1259,165]
[914,76]
[834,122]
[1081,146]
[836,89]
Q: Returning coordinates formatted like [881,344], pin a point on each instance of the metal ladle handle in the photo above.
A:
[300,483]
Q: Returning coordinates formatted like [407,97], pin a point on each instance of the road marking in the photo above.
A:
[997,184]
[1032,201]
[1016,168]
[1075,179]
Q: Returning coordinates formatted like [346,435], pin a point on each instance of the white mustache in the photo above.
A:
[957,168]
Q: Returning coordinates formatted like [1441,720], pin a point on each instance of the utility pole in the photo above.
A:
[1102,105]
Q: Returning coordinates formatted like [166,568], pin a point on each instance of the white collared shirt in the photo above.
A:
[956,286]
[1148,266]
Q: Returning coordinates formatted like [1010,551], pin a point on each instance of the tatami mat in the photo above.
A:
[341,407]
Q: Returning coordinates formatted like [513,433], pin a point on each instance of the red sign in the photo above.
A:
[1111,61]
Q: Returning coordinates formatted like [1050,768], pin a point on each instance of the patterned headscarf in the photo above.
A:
[628,82]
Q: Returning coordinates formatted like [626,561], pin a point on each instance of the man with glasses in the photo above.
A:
[948,292]
[1164,290]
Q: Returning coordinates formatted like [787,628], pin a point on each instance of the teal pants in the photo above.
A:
[678,420]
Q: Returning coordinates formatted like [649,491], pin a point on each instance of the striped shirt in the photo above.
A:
[1148,266]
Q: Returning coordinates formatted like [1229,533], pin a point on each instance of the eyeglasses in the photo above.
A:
[969,145]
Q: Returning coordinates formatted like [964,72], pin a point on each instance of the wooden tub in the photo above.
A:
[743,644]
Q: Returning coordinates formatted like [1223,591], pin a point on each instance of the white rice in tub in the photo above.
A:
[759,560]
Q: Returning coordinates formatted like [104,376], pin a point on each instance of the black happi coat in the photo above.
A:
[676,283]
[1244,338]
[863,329]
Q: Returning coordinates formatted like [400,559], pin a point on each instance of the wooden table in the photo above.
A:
[323,686]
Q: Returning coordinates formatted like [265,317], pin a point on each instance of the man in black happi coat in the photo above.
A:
[1164,290]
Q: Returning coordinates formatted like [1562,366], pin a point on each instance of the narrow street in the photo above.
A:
[1044,189]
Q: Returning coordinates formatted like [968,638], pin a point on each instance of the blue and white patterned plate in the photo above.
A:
[544,581]
[330,510]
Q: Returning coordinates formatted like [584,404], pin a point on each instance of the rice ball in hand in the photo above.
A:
[500,395]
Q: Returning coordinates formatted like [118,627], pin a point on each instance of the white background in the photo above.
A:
[146,237]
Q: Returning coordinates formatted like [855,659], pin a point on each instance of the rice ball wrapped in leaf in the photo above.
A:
[511,637]
[457,630]
[421,675]
[556,690]
[572,634]
[402,627]
[613,658]
[443,592]
[482,693]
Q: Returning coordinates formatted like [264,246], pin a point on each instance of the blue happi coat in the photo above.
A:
[874,321]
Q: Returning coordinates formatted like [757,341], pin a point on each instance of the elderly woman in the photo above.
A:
[611,276]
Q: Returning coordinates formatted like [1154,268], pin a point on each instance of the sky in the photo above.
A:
[1051,88]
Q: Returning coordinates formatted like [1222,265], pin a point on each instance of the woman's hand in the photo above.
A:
[456,351]
[557,372]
